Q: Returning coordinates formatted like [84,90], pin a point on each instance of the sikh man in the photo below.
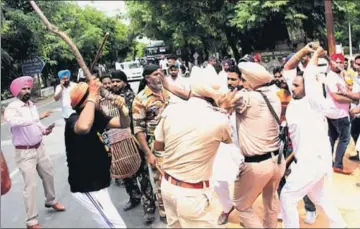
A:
[229,155]
[306,117]
[31,159]
[88,153]
[146,109]
[258,133]
[123,140]
[190,142]
[62,92]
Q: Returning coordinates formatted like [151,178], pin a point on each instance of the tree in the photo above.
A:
[23,36]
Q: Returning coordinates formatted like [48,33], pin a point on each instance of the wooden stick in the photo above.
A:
[65,37]
[289,158]
[99,52]
[104,93]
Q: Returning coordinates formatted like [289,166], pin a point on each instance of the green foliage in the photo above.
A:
[24,35]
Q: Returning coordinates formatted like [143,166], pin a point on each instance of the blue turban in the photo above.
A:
[64,73]
[289,57]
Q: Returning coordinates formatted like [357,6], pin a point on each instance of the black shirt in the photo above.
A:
[88,155]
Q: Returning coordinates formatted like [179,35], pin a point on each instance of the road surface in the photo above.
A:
[75,216]
[343,191]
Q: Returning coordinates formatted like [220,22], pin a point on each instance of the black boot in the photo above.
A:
[355,157]
[131,204]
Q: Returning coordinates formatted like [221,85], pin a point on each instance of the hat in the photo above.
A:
[78,94]
[206,83]
[254,73]
[119,75]
[19,83]
[64,73]
[337,57]
[150,68]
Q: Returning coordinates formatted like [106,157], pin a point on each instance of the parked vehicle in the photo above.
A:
[132,69]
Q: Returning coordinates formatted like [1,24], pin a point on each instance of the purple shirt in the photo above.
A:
[24,122]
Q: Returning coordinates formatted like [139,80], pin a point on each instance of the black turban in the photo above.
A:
[119,75]
[150,68]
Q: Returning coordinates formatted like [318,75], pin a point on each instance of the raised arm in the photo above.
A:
[176,90]
[87,115]
[312,90]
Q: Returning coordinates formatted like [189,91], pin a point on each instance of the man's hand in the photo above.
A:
[164,80]
[47,131]
[119,101]
[45,114]
[227,101]
[94,89]
[354,111]
[62,83]
[310,47]
[320,52]
[151,159]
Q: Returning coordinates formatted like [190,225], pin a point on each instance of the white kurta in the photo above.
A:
[312,149]
[228,158]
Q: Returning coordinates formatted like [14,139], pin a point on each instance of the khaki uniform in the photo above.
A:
[191,142]
[258,135]
[147,108]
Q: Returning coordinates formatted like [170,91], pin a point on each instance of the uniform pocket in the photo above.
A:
[193,207]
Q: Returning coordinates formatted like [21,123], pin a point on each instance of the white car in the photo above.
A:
[132,69]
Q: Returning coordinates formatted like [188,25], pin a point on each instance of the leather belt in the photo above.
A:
[29,147]
[260,158]
[199,185]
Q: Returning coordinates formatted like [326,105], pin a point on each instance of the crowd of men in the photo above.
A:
[179,139]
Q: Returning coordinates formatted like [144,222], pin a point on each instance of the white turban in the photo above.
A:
[206,83]
[255,74]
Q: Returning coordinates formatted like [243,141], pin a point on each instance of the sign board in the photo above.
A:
[32,66]
[338,49]
[196,55]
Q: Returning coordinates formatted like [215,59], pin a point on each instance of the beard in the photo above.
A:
[156,84]
[66,83]
[116,90]
[25,97]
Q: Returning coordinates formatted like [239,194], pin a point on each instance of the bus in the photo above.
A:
[155,50]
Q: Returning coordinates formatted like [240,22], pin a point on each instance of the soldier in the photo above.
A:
[147,108]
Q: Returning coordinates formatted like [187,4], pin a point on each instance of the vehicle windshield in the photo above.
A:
[134,65]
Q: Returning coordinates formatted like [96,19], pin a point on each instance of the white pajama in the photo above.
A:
[222,191]
[226,168]
[102,209]
[312,149]
[301,182]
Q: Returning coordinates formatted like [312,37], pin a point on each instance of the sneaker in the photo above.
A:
[310,217]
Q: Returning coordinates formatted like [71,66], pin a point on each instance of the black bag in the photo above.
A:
[284,131]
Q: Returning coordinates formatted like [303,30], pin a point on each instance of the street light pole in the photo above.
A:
[350,41]
[329,25]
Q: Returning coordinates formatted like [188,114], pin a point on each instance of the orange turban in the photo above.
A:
[78,94]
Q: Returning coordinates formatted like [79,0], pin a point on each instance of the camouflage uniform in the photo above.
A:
[147,108]
[145,192]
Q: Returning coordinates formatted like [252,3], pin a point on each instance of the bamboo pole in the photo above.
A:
[105,93]
[99,52]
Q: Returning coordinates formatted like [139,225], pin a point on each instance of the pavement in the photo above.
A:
[343,191]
